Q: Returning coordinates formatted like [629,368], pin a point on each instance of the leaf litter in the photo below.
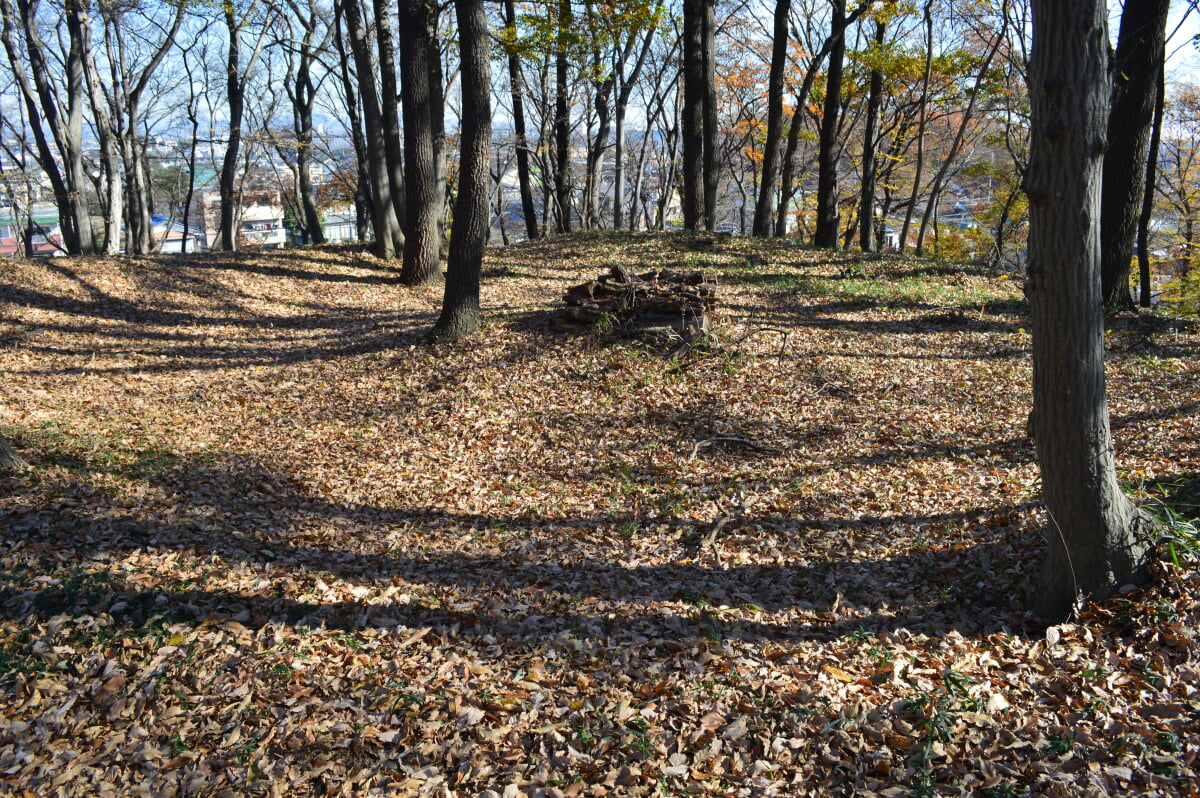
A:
[275,544]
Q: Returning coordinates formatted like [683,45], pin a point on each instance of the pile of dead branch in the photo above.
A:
[663,303]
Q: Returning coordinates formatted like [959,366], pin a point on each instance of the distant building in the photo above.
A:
[172,234]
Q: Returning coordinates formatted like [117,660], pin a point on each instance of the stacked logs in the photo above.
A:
[664,302]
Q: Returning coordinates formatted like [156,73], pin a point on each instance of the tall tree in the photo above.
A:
[469,233]
[771,147]
[699,115]
[562,116]
[1145,296]
[516,85]
[1141,50]
[866,201]
[32,67]
[423,192]
[1097,539]
[389,234]
[829,149]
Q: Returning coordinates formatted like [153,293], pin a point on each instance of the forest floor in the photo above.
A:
[273,543]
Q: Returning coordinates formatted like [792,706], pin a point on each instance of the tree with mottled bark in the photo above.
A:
[469,232]
[1141,51]
[866,193]
[1097,539]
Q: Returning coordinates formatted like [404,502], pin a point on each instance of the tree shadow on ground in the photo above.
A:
[238,514]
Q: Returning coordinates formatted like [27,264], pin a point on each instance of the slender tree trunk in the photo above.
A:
[1097,539]
[236,95]
[1141,50]
[709,65]
[787,182]
[516,82]
[389,237]
[562,119]
[364,209]
[460,308]
[1146,298]
[692,118]
[866,201]
[935,189]
[829,151]
[422,240]
[771,147]
[923,118]
[389,96]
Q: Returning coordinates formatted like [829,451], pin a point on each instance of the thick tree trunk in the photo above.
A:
[771,147]
[516,83]
[866,197]
[1141,47]
[422,240]
[829,153]
[460,308]
[1097,539]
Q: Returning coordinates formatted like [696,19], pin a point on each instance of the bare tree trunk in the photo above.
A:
[923,115]
[422,240]
[516,84]
[389,238]
[774,140]
[236,95]
[460,308]
[389,102]
[1141,50]
[1097,539]
[562,119]
[693,116]
[829,151]
[1146,298]
[866,201]
[935,189]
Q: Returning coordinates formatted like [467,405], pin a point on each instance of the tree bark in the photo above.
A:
[829,149]
[709,65]
[923,119]
[469,234]
[236,95]
[866,200]
[389,102]
[422,239]
[1141,49]
[1146,298]
[692,115]
[1097,539]
[771,147]
[389,238]
[516,84]
[9,459]
[562,118]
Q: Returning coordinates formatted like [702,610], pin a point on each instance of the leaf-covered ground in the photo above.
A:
[274,544]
